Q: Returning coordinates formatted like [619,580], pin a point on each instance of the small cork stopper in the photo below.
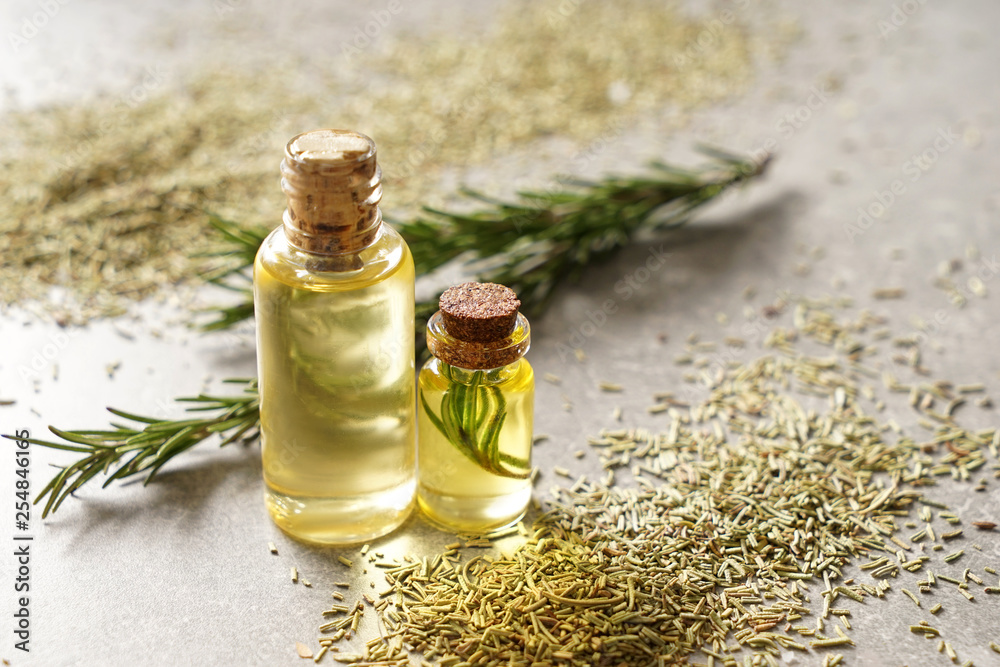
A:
[479,312]
[334,186]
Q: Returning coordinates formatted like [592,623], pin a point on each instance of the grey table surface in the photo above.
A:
[179,572]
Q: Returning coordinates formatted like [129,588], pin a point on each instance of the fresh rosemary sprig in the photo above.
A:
[548,238]
[472,416]
[147,449]
[531,246]
[237,251]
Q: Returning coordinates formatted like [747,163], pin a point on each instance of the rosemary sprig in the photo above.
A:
[237,251]
[472,417]
[149,448]
[532,247]
[548,238]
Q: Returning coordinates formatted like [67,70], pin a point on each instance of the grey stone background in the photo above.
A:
[179,573]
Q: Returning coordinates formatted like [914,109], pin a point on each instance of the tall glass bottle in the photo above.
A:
[476,411]
[334,300]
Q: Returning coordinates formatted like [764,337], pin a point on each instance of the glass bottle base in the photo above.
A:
[477,514]
[336,521]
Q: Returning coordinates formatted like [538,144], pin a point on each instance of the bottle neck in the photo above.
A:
[334,185]
[478,356]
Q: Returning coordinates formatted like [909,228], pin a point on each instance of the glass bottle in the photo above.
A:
[334,302]
[476,409]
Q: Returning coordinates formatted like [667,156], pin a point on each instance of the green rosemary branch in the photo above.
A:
[146,450]
[472,417]
[531,246]
[549,238]
[236,252]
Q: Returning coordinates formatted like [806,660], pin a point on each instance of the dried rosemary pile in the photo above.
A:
[107,199]
[743,513]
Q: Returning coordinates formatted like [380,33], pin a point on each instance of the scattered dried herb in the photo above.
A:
[107,198]
[741,506]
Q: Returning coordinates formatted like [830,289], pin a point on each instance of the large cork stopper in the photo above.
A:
[480,327]
[334,186]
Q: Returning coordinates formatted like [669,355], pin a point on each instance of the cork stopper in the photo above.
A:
[478,327]
[479,312]
[334,186]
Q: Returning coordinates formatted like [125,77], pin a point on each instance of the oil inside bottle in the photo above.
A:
[336,372]
[455,491]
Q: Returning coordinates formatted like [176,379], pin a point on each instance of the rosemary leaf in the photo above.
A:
[149,449]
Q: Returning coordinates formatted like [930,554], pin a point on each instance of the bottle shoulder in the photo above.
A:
[387,257]
[515,377]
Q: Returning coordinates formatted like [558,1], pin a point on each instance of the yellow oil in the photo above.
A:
[336,374]
[454,491]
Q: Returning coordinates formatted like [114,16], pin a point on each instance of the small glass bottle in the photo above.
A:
[476,411]
[334,302]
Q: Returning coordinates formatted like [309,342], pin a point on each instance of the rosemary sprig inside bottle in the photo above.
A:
[145,450]
[472,416]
